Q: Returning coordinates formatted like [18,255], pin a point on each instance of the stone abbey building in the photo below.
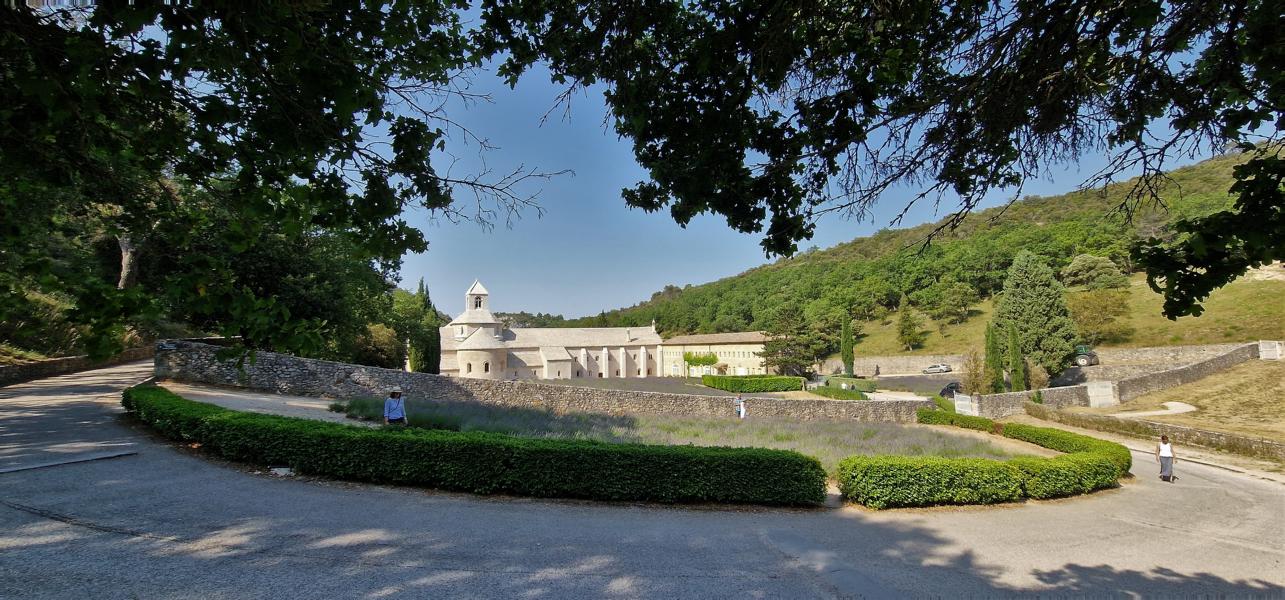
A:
[476,344]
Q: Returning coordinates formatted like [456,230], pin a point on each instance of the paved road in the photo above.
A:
[165,524]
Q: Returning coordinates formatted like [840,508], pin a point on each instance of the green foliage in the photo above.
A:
[863,385]
[753,383]
[836,393]
[943,404]
[1034,306]
[700,359]
[1016,362]
[794,345]
[994,365]
[1097,315]
[890,481]
[417,322]
[910,328]
[380,347]
[846,342]
[895,481]
[929,416]
[487,463]
[1094,273]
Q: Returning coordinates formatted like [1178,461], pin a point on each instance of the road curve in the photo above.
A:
[164,523]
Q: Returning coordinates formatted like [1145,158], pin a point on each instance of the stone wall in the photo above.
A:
[910,364]
[71,364]
[1169,356]
[1078,375]
[1178,434]
[995,406]
[1133,387]
[192,362]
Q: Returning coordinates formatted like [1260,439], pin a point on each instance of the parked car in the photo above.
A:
[950,390]
[1085,356]
[942,368]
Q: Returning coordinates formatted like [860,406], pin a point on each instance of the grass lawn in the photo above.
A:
[1247,309]
[1248,399]
[828,441]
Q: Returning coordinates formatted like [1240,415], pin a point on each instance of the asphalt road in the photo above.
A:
[165,523]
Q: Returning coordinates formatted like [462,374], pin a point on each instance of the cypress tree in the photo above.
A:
[994,381]
[432,335]
[1016,364]
[845,347]
[1033,304]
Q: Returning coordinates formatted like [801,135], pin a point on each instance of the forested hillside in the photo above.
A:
[947,280]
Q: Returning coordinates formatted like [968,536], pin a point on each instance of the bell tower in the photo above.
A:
[477,298]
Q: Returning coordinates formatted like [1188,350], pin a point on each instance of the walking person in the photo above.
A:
[1166,457]
[395,407]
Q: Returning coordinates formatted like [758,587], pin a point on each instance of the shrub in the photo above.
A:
[929,416]
[861,385]
[485,462]
[945,404]
[894,481]
[888,481]
[839,394]
[753,383]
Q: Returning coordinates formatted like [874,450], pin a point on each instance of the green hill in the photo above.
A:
[866,278]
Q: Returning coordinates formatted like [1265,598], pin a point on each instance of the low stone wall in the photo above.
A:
[911,364]
[71,364]
[1078,375]
[1128,389]
[1178,434]
[192,362]
[1168,356]
[995,406]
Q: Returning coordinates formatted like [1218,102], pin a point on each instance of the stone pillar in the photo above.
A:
[624,363]
[642,361]
[584,360]
[1102,393]
[660,354]
[604,365]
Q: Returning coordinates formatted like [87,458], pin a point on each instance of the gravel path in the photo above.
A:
[1171,408]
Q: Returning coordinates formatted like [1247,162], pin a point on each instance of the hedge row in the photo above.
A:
[839,393]
[487,463]
[891,481]
[861,385]
[753,383]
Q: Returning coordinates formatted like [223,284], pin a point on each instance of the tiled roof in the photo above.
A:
[475,316]
[566,337]
[554,353]
[480,339]
[740,337]
[477,289]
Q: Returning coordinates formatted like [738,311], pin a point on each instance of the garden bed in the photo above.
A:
[486,463]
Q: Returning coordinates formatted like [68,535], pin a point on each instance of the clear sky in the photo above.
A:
[589,251]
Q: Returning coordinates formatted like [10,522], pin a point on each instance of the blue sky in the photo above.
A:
[589,251]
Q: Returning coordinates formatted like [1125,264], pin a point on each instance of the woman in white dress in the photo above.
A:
[1165,456]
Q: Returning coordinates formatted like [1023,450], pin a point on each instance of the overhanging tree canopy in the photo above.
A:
[772,113]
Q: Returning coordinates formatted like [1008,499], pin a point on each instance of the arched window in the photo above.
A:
[468,368]
[477,302]
[486,367]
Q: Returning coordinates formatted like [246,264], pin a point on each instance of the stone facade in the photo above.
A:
[738,354]
[192,362]
[62,366]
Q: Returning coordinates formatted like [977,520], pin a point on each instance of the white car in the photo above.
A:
[942,368]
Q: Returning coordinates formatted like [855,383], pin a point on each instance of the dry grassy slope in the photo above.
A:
[1251,308]
[1248,399]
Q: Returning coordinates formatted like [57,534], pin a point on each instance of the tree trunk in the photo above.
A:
[128,261]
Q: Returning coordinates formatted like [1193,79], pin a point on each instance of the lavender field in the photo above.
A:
[828,441]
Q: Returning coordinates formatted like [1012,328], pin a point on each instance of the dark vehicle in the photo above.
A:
[950,390]
[1085,356]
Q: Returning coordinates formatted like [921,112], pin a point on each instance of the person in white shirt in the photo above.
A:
[1166,457]
[395,407]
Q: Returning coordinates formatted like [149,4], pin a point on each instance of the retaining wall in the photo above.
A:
[71,364]
[994,406]
[1178,434]
[193,362]
[1128,389]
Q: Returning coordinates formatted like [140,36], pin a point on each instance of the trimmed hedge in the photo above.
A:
[487,463]
[753,383]
[891,481]
[838,393]
[861,385]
